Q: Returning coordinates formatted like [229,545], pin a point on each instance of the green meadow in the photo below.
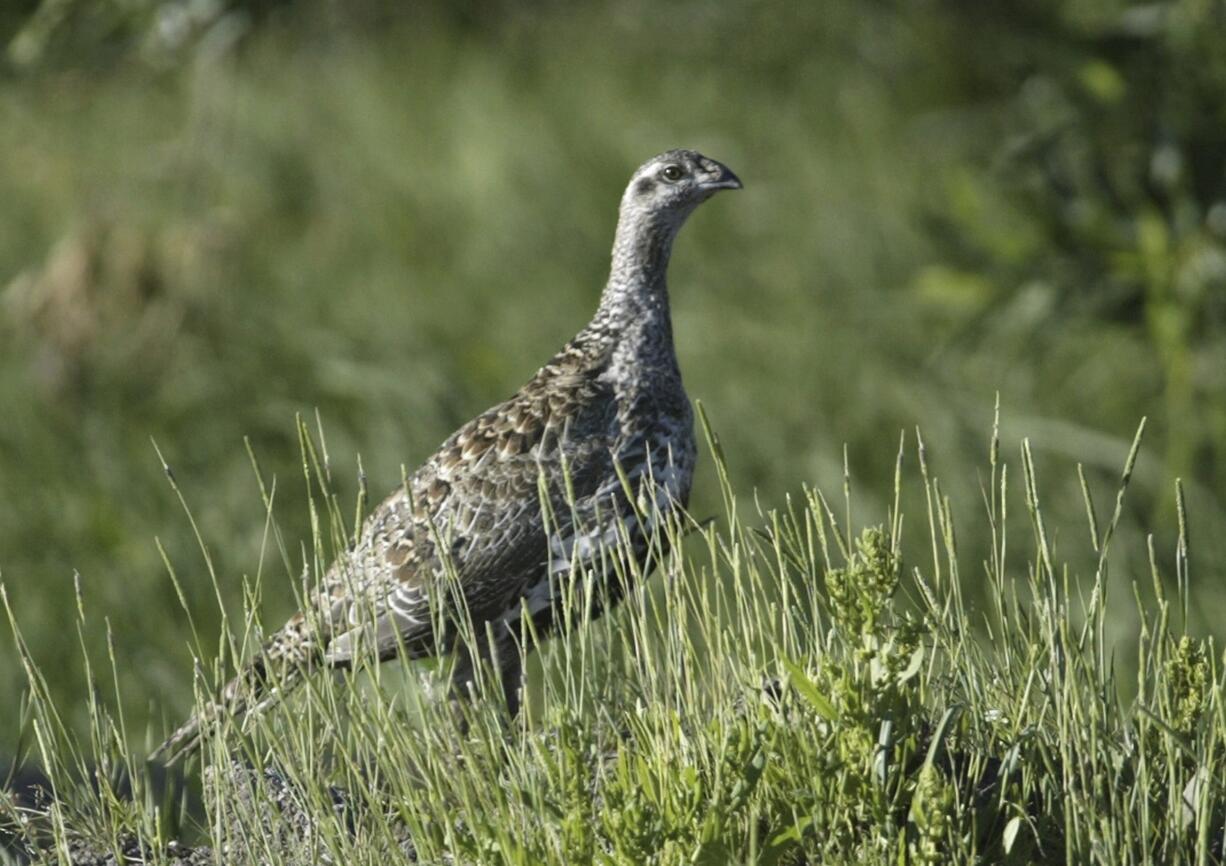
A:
[286,248]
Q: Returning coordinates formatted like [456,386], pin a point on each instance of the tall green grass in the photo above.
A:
[805,684]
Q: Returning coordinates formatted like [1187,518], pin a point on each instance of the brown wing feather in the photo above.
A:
[487,514]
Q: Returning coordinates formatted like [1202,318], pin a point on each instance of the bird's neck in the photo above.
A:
[634,304]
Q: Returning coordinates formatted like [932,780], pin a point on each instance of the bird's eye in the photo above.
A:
[672,173]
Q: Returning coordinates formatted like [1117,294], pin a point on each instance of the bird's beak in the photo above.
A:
[721,178]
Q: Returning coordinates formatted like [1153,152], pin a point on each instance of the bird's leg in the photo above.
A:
[463,686]
[511,672]
[496,657]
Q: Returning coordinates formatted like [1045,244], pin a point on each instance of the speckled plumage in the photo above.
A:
[607,409]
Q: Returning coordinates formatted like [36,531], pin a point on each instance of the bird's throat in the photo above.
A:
[636,296]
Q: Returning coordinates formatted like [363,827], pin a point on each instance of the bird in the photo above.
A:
[591,455]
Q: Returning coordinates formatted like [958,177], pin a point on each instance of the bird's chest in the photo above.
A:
[652,429]
[650,465]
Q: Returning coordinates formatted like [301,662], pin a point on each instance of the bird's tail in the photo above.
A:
[261,683]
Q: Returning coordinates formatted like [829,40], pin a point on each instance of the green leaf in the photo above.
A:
[712,854]
[948,720]
[809,691]
[913,665]
[784,844]
[1010,834]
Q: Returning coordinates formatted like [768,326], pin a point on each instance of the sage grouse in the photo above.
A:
[589,455]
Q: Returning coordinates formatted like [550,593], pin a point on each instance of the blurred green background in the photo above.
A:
[216,214]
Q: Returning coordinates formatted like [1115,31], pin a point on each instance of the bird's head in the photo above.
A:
[668,187]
